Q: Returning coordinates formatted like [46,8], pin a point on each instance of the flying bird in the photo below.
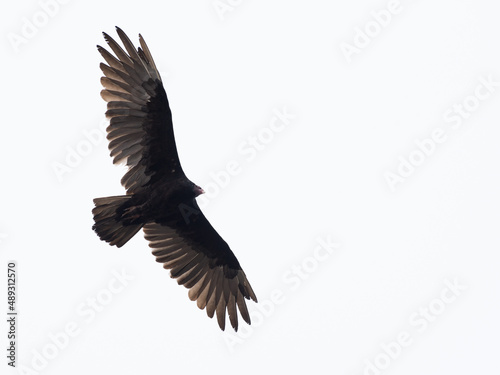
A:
[159,198]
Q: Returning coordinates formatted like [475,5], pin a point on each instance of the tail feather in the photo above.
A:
[108,222]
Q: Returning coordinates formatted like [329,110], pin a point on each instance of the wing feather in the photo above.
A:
[149,58]
[138,109]
[202,261]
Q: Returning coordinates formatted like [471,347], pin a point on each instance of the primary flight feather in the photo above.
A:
[160,198]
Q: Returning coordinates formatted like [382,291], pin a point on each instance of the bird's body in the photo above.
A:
[160,198]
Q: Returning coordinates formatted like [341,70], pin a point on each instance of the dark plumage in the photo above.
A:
[160,198]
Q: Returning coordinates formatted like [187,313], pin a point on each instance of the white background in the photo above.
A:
[324,175]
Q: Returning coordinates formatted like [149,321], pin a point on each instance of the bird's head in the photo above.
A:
[197,190]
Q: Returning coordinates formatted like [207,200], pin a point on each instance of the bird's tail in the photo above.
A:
[109,224]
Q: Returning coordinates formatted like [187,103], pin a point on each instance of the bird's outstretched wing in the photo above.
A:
[202,261]
[140,131]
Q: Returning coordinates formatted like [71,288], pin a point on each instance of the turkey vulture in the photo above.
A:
[159,197]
